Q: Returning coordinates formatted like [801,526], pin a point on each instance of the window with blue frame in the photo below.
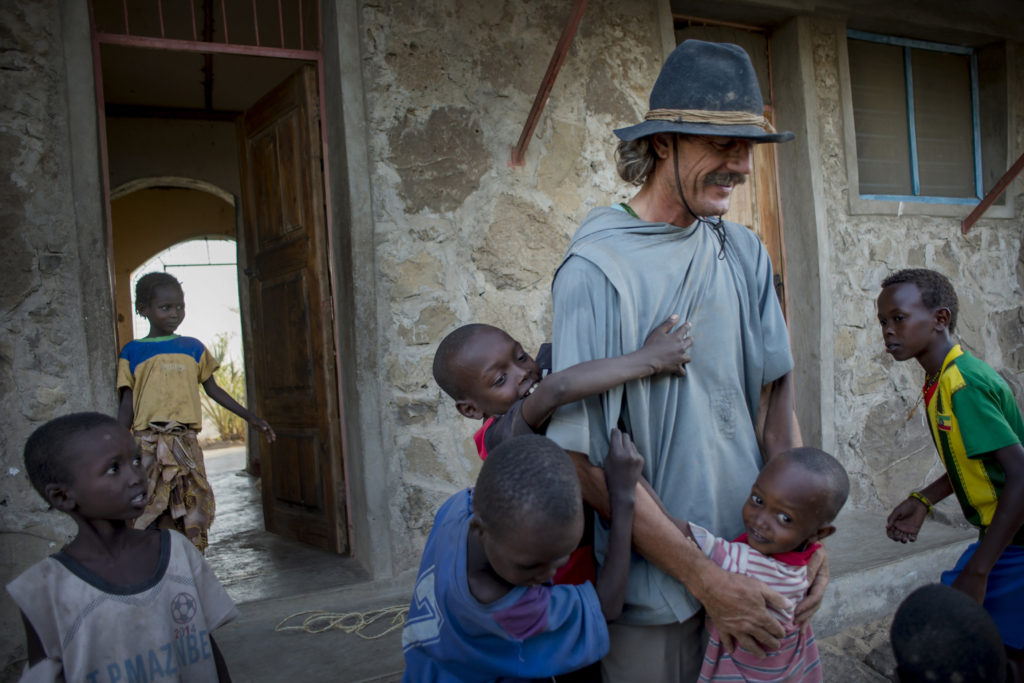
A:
[917,121]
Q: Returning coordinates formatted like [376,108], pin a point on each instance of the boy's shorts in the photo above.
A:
[1004,597]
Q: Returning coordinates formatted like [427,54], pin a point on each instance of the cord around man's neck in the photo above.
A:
[715,223]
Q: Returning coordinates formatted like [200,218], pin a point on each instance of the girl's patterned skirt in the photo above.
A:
[179,495]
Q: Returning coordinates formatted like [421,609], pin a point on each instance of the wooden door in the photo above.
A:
[285,252]
[754,204]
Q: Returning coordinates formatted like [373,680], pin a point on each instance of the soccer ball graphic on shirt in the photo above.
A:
[183,608]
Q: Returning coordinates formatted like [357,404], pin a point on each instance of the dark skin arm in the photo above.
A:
[34,646]
[214,391]
[1007,520]
[126,409]
[664,351]
[737,603]
[222,668]
[621,472]
[904,522]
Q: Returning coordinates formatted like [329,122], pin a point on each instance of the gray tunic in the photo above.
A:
[621,277]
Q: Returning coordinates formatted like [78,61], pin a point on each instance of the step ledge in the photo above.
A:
[871,574]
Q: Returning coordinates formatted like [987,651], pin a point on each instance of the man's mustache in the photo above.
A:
[730,179]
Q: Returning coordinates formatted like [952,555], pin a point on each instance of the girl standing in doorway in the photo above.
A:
[158,378]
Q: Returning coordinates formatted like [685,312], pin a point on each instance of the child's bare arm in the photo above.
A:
[214,391]
[1006,522]
[222,668]
[126,408]
[738,604]
[33,644]
[664,351]
[905,520]
[621,471]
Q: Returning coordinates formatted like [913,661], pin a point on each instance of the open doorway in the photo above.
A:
[207,135]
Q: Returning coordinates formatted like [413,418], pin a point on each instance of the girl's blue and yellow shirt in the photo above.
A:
[164,374]
[971,414]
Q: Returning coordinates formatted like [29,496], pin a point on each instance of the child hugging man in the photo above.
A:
[791,506]
[483,608]
[116,603]
[491,378]
[978,430]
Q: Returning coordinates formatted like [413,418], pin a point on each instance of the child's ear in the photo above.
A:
[476,527]
[60,497]
[469,409]
[821,533]
[942,316]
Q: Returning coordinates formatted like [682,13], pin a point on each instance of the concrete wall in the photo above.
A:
[886,454]
[56,315]
[152,148]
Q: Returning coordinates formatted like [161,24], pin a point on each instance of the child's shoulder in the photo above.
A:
[36,575]
[971,371]
[139,350]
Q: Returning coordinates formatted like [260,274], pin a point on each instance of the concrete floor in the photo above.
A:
[271,578]
[254,564]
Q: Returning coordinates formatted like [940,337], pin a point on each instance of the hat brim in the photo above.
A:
[745,132]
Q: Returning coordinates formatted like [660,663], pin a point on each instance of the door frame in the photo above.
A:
[97,38]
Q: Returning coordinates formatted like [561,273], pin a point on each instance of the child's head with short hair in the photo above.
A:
[527,509]
[160,299]
[917,310]
[935,288]
[484,369]
[87,463]
[147,286]
[796,496]
[941,634]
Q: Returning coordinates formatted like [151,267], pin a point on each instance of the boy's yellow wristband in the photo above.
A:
[920,497]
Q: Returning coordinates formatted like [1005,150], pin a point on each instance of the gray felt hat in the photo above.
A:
[707,89]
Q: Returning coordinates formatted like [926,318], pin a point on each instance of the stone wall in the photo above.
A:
[886,454]
[462,237]
[56,320]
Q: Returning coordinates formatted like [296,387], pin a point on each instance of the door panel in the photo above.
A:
[290,299]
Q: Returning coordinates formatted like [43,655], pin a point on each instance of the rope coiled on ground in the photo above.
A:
[320,621]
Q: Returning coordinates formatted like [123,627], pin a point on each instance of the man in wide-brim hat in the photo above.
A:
[667,251]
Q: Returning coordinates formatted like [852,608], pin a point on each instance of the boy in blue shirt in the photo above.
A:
[978,431]
[483,608]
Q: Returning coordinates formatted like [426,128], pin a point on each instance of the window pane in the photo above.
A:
[880,117]
[942,117]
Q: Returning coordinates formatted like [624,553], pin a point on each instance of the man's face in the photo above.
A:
[709,169]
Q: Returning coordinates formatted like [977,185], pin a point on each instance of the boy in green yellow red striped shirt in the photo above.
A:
[978,430]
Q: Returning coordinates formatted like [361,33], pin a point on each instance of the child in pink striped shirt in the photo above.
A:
[791,506]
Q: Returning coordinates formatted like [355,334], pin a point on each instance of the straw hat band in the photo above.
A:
[722,118]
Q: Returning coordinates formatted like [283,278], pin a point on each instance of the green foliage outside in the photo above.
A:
[231,378]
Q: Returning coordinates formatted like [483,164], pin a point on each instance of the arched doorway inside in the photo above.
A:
[188,227]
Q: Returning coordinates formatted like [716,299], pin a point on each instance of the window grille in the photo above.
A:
[916,114]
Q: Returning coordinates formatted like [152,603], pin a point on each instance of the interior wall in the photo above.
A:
[148,221]
[146,148]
